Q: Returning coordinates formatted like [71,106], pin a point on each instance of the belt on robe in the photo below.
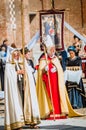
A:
[73,68]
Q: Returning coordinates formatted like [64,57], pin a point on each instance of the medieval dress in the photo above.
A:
[13,104]
[60,103]
[16,113]
[74,83]
[2,68]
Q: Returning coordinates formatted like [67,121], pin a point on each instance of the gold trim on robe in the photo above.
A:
[43,99]
[17,115]
[13,104]
[65,102]
[31,108]
[44,102]
[15,125]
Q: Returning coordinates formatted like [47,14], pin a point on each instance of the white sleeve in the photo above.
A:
[33,41]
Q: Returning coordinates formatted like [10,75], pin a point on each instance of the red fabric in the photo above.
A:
[51,31]
[54,90]
[36,67]
[84,68]
[59,117]
[85,48]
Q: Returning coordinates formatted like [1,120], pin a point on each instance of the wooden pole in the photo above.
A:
[46,57]
[52,4]
[42,4]
[14,35]
[47,64]
[23,40]
[82,13]
[22,26]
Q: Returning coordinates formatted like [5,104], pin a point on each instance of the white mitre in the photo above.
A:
[49,42]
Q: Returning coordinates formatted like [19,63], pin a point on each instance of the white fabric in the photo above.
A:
[53,69]
[14,112]
[74,31]
[33,41]
[46,68]
[9,49]
[73,76]
[83,61]
[1,94]
[18,68]
[13,103]
[34,101]
[48,41]
[31,69]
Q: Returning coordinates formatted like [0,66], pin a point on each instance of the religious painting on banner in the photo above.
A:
[51,28]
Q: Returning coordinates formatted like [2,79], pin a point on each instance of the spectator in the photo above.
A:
[73,78]
[15,88]
[2,65]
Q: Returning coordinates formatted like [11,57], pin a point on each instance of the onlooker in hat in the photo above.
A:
[5,44]
[73,79]
[77,44]
[28,56]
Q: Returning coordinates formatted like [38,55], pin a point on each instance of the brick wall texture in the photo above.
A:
[76,17]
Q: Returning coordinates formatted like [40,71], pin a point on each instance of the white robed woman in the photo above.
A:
[21,105]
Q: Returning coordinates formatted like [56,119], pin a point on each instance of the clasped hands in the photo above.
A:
[20,71]
[52,69]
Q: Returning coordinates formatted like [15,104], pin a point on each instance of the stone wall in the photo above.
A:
[2,21]
[14,34]
[76,17]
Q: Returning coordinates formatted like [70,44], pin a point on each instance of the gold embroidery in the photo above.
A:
[32,120]
[14,125]
[73,68]
[59,115]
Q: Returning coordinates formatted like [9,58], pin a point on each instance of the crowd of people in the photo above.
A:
[54,94]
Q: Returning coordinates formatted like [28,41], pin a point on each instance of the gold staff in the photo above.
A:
[46,57]
[22,26]
[52,4]
[42,4]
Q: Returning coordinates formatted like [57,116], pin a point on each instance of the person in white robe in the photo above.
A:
[17,114]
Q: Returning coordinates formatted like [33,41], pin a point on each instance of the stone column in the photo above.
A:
[3,33]
[18,29]
[26,22]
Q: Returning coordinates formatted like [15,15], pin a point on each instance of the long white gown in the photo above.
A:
[17,116]
[13,104]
